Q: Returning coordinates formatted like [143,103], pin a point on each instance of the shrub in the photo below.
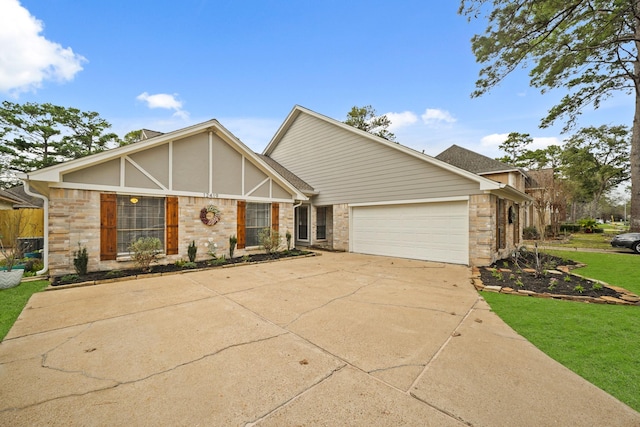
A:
[288,237]
[81,260]
[233,240]
[145,251]
[33,266]
[589,224]
[530,233]
[269,240]
[192,250]
[569,228]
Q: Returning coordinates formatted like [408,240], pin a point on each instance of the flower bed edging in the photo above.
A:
[627,298]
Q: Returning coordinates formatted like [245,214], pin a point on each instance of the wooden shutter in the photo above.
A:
[242,213]
[171,219]
[275,216]
[108,227]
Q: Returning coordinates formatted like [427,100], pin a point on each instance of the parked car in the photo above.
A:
[627,240]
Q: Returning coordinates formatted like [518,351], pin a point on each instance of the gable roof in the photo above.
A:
[288,175]
[485,184]
[54,174]
[474,162]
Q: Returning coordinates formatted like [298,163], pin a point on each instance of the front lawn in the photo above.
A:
[13,300]
[598,342]
[615,269]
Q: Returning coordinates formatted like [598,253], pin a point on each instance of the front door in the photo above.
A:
[302,222]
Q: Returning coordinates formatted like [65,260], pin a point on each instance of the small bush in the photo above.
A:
[233,240]
[269,240]
[192,251]
[114,273]
[288,237]
[69,278]
[81,260]
[569,228]
[145,251]
[530,233]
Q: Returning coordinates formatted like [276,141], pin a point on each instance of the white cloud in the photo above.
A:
[165,101]
[435,117]
[544,142]
[160,100]
[403,119]
[27,58]
[493,140]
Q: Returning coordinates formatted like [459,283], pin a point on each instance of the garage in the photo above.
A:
[437,231]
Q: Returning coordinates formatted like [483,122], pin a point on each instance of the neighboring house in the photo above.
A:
[549,203]
[17,198]
[378,197]
[197,184]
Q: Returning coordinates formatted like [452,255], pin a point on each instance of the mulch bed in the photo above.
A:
[112,275]
[550,277]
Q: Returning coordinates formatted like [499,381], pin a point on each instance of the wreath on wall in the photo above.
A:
[210,215]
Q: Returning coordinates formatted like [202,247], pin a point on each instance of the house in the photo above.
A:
[378,197]
[329,184]
[197,184]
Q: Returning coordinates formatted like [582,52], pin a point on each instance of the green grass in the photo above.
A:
[615,268]
[13,300]
[598,342]
[584,240]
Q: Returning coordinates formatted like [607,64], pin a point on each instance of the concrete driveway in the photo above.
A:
[338,339]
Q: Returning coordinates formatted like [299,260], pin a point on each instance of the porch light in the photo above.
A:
[133,200]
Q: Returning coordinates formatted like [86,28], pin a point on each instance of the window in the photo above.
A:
[257,218]
[137,217]
[321,223]
[126,218]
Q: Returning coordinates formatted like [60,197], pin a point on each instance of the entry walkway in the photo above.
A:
[338,339]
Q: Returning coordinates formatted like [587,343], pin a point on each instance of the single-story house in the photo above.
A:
[329,184]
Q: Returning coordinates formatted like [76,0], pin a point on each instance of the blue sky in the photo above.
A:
[163,65]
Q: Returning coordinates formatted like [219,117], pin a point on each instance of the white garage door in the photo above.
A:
[427,231]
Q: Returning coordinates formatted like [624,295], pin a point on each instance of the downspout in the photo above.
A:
[45,205]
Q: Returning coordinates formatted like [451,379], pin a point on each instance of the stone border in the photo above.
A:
[170,273]
[627,298]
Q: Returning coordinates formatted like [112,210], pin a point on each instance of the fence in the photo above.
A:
[31,224]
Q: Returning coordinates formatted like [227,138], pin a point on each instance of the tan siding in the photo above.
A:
[107,173]
[348,168]
[191,163]
[227,168]
[252,176]
[279,192]
[155,161]
[133,178]
[262,191]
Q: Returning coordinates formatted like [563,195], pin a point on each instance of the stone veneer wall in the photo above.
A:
[481,229]
[341,227]
[74,217]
